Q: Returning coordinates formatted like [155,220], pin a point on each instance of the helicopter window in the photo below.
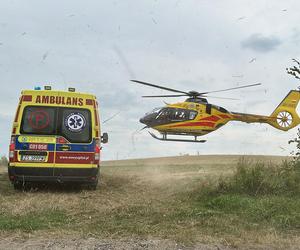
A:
[220,109]
[178,114]
[223,110]
[192,115]
[154,111]
[175,115]
[164,114]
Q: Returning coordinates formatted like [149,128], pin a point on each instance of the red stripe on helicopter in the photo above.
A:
[212,118]
[225,116]
[191,124]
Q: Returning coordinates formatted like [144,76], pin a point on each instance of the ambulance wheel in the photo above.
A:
[18,186]
[93,186]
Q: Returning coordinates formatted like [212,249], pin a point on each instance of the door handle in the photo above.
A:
[64,147]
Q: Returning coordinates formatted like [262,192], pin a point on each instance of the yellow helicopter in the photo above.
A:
[196,117]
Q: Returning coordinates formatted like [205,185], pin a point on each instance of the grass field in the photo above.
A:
[180,199]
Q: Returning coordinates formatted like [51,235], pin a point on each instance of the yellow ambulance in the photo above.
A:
[55,138]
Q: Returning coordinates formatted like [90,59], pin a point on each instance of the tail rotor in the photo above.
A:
[285,116]
[284,119]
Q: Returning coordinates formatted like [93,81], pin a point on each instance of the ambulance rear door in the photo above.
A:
[75,149]
[37,140]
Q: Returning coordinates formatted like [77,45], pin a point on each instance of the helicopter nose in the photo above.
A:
[145,120]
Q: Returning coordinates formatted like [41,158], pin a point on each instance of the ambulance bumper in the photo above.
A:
[60,175]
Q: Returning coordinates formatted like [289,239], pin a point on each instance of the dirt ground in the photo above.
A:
[150,180]
[32,242]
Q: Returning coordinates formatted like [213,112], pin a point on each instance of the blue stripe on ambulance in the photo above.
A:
[77,147]
[25,146]
[59,147]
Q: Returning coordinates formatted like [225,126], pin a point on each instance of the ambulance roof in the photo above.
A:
[56,93]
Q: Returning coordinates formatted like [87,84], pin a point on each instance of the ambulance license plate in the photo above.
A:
[33,158]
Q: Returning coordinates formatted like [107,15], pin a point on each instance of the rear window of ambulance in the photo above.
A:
[39,120]
[72,123]
[75,124]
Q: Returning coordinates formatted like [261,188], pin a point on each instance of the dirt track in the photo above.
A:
[98,244]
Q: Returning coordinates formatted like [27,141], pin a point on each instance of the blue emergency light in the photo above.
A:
[37,88]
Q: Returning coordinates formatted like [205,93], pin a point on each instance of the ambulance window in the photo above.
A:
[75,125]
[39,120]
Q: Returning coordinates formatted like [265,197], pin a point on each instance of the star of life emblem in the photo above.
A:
[75,122]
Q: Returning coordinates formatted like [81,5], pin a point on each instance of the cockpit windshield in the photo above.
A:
[166,115]
[176,114]
[155,111]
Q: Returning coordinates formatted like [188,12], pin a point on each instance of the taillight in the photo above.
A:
[27,98]
[97,150]
[61,140]
[12,147]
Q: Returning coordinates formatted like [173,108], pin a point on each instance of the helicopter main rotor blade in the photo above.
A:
[217,97]
[150,96]
[110,118]
[240,87]
[160,87]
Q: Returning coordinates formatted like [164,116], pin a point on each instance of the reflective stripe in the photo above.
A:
[51,165]
[77,147]
[37,139]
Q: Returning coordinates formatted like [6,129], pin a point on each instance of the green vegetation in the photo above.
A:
[252,202]
[33,221]
[256,197]
[259,179]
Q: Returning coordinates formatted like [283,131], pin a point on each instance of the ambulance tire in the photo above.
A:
[93,186]
[18,186]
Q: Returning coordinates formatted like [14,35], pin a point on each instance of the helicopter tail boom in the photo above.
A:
[284,117]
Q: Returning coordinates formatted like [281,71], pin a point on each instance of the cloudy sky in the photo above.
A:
[97,46]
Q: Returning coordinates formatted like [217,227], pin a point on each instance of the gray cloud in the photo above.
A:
[260,43]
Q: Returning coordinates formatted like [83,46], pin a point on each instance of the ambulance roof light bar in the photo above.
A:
[37,88]
[71,89]
[47,88]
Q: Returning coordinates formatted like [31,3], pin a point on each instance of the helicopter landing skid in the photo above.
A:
[164,138]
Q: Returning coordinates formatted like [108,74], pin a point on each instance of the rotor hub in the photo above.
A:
[194,93]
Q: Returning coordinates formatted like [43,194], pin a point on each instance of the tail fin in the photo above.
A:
[285,116]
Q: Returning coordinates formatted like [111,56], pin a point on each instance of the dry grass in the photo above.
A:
[136,198]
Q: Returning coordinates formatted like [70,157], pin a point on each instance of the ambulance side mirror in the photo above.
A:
[104,138]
